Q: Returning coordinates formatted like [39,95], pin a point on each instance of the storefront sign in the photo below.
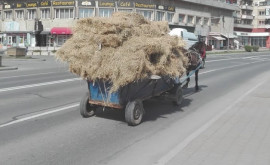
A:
[160,7]
[87,3]
[106,4]
[142,5]
[31,4]
[125,4]
[19,5]
[8,6]
[63,3]
[167,8]
[45,4]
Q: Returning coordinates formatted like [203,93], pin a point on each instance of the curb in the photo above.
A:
[3,68]
[232,53]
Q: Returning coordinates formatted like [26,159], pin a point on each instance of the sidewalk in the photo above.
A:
[241,136]
[232,51]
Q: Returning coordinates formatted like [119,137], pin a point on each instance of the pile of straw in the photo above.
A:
[122,49]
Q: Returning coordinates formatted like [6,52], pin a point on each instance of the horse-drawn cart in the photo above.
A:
[129,97]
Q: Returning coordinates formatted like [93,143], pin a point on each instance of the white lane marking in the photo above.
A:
[38,85]
[234,66]
[30,75]
[39,115]
[236,58]
[180,146]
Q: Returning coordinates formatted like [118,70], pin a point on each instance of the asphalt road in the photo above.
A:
[40,121]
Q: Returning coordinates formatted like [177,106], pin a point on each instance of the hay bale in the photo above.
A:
[123,49]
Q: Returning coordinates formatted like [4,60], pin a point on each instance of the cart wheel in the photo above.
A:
[178,95]
[134,112]
[86,109]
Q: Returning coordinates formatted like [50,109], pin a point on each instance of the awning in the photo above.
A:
[45,32]
[61,30]
[218,38]
[229,36]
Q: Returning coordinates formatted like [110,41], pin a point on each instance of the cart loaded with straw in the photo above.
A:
[125,59]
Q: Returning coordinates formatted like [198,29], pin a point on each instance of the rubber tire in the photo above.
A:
[178,96]
[133,108]
[86,109]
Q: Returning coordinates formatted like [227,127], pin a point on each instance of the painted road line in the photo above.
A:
[38,85]
[227,59]
[36,74]
[234,66]
[39,115]
[180,146]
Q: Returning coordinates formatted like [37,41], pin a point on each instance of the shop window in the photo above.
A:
[125,10]
[64,13]
[198,20]
[181,17]
[205,21]
[159,16]
[146,13]
[19,14]
[31,14]
[105,12]
[86,12]
[8,14]
[45,13]
[215,21]
[170,17]
[190,19]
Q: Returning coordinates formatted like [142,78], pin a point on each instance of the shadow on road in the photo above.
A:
[155,108]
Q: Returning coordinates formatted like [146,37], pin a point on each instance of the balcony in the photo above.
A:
[245,26]
[246,7]
[264,26]
[247,17]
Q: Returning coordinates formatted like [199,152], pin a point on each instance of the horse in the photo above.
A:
[195,56]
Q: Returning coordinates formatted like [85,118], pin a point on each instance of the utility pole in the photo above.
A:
[223,20]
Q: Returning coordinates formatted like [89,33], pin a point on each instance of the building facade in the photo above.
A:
[48,23]
[252,23]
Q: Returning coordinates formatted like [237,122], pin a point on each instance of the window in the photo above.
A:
[19,14]
[45,13]
[247,22]
[261,13]
[215,21]
[181,17]
[159,16]
[261,22]
[146,13]
[125,10]
[198,20]
[205,21]
[8,14]
[64,13]
[105,12]
[31,14]
[190,19]
[86,12]
[170,17]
